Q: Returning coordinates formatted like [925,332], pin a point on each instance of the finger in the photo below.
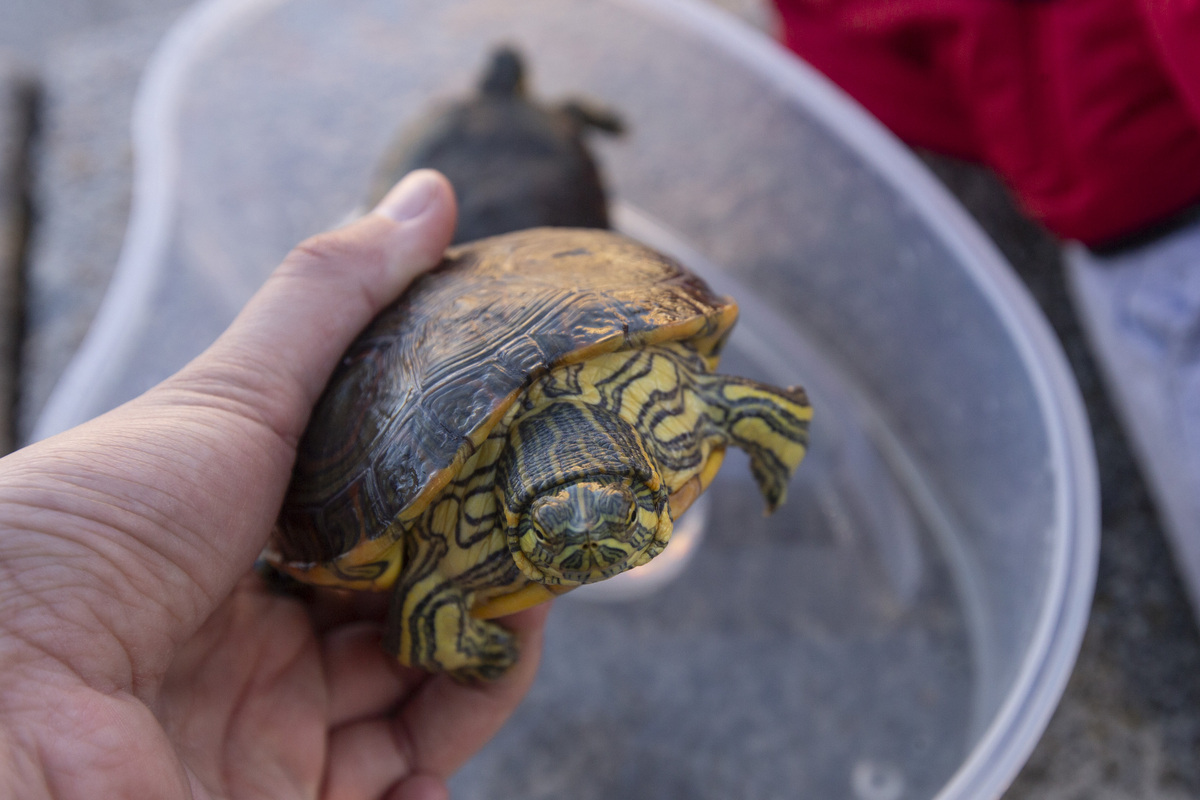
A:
[420,787]
[439,726]
[364,760]
[362,679]
[330,608]
[445,722]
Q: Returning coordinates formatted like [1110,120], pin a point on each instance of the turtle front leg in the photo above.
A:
[770,424]
[430,627]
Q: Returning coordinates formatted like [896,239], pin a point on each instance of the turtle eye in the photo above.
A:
[617,504]
[552,514]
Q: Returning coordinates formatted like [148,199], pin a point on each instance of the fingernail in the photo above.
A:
[408,198]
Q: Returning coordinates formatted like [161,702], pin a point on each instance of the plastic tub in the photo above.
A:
[905,625]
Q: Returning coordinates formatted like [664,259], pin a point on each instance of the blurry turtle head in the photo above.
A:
[505,74]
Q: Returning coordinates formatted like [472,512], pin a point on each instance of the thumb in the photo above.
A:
[166,501]
[283,346]
[242,405]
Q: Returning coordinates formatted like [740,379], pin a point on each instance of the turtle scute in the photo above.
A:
[529,417]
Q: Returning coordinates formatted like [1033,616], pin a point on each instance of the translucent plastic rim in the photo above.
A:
[1010,737]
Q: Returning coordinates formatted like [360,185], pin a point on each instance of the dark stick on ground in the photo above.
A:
[17,96]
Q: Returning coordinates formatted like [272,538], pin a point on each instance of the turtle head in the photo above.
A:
[581,499]
[589,530]
[505,75]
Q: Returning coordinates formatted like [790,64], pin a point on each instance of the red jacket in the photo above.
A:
[1088,109]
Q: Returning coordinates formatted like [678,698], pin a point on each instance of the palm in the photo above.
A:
[242,713]
[245,706]
[137,657]
[269,697]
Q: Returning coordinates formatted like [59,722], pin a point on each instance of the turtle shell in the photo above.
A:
[424,384]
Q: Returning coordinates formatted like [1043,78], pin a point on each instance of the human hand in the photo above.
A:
[139,656]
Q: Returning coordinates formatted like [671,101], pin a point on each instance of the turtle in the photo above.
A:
[514,163]
[529,417]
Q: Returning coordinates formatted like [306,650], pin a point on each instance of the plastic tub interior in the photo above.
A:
[904,626]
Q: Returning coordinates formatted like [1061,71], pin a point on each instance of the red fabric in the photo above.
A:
[1088,109]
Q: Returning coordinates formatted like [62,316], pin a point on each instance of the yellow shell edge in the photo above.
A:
[527,596]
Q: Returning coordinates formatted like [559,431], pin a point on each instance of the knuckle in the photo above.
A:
[315,250]
[332,252]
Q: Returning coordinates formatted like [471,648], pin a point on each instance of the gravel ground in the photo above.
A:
[29,28]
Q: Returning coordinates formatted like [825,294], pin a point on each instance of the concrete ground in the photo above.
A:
[69,170]
[30,29]
[1129,724]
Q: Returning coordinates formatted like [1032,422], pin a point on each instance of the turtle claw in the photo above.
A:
[431,628]
[491,652]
